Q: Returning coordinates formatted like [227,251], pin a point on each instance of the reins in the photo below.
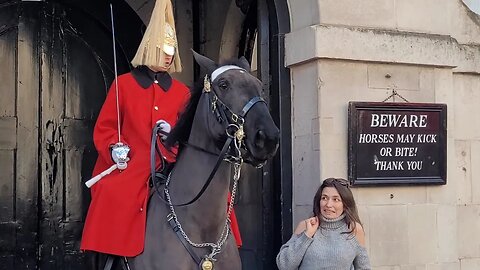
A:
[154,175]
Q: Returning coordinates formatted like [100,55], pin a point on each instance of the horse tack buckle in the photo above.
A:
[206,264]
[206,84]
[240,134]
[214,102]
[234,118]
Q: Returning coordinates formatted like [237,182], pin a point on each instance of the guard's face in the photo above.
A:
[168,60]
[331,205]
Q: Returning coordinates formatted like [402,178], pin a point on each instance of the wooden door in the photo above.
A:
[56,72]
[19,134]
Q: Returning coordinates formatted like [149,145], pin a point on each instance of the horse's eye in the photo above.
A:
[223,85]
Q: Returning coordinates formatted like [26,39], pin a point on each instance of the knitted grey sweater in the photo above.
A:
[328,249]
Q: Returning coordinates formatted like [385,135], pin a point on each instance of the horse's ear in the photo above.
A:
[204,62]
[244,63]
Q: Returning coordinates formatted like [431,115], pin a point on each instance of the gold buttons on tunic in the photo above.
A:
[156,108]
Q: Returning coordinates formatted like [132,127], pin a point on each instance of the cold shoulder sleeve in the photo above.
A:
[361,261]
[292,252]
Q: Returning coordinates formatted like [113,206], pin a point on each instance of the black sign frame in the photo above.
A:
[361,160]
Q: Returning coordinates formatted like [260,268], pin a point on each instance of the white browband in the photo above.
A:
[222,69]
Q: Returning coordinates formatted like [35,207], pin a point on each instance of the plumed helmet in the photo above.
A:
[159,39]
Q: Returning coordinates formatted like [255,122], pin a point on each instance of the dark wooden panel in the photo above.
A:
[77,133]
[8,238]
[250,220]
[8,43]
[76,70]
[8,134]
[249,214]
[7,190]
[37,40]
[7,208]
[52,96]
[8,122]
[80,156]
[27,134]
[278,22]
[91,19]
[9,13]
[84,97]
[6,262]
[74,185]
[73,258]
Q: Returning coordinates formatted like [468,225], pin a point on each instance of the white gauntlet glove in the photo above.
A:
[165,127]
[119,152]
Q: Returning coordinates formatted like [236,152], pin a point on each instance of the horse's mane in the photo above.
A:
[181,131]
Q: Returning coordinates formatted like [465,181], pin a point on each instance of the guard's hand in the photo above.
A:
[312,226]
[165,127]
[119,152]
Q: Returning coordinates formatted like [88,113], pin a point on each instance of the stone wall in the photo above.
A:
[342,50]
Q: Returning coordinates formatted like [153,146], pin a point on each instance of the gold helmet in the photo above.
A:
[170,40]
[159,39]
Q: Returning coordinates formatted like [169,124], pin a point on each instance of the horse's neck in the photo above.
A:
[203,126]
[206,217]
[192,170]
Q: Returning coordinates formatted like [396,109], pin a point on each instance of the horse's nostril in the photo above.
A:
[260,139]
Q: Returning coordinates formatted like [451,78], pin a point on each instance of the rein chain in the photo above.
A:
[216,247]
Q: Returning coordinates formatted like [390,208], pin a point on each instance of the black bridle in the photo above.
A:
[234,129]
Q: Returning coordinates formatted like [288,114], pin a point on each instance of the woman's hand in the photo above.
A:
[311,225]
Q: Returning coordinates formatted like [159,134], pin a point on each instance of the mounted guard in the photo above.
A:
[135,103]
[144,99]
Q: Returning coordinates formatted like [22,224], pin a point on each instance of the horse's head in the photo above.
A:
[239,96]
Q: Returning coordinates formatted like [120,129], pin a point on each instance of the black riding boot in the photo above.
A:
[102,261]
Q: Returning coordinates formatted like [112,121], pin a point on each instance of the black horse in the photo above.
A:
[226,113]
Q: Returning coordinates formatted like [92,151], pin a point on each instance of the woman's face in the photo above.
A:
[331,205]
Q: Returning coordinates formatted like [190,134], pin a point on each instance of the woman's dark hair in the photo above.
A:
[349,205]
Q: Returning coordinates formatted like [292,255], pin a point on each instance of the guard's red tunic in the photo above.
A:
[116,219]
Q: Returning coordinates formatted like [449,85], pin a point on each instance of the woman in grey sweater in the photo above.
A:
[333,238]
